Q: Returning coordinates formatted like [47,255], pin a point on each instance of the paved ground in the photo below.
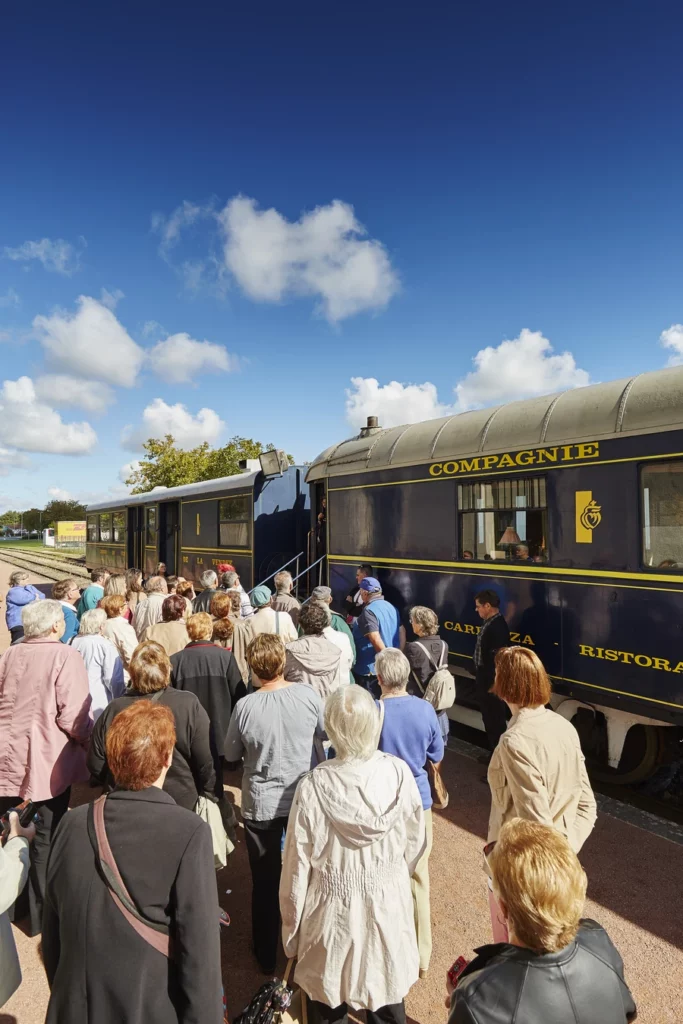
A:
[634,889]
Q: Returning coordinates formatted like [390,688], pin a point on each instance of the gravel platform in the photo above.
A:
[635,890]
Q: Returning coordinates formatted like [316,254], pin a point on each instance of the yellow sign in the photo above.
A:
[588,516]
[73,532]
[564,453]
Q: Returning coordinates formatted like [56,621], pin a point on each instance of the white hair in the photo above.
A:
[229,579]
[92,622]
[156,585]
[352,723]
[208,578]
[283,582]
[392,668]
[18,578]
[39,617]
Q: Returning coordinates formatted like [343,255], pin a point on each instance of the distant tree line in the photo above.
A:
[36,518]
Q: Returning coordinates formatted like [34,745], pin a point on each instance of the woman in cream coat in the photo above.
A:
[356,831]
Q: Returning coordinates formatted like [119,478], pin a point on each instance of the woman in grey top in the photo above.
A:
[274,730]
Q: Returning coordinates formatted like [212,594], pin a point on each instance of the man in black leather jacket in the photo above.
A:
[556,969]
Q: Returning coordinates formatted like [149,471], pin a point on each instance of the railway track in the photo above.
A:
[48,566]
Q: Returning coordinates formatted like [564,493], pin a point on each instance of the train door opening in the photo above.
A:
[135,549]
[169,521]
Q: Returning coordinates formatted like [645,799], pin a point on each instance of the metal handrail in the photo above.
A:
[310,567]
[294,559]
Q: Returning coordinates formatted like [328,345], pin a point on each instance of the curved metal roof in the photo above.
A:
[225,483]
[644,404]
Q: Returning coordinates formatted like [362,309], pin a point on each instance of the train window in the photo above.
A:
[105,528]
[662,487]
[234,518]
[119,527]
[92,529]
[151,528]
[504,520]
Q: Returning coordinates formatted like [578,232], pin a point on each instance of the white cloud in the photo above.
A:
[323,254]
[58,494]
[159,419]
[90,342]
[10,298]
[521,368]
[151,327]
[516,369]
[393,403]
[672,338]
[127,471]
[11,460]
[179,358]
[54,254]
[33,426]
[63,391]
[111,299]
[170,228]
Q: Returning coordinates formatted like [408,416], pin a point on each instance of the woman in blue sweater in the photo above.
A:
[19,595]
[411,731]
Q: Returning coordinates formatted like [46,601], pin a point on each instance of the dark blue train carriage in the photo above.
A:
[571,507]
[257,520]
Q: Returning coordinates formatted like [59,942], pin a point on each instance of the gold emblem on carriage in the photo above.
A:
[588,516]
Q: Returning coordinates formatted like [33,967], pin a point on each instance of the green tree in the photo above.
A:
[33,519]
[10,518]
[166,465]
[58,511]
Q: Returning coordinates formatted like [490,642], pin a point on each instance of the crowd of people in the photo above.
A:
[151,690]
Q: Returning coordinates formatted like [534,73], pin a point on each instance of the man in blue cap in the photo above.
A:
[378,626]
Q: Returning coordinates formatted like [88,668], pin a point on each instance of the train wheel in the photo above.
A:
[640,757]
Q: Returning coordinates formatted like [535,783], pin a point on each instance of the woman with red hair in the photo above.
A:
[102,965]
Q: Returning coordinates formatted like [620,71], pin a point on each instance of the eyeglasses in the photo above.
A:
[488,850]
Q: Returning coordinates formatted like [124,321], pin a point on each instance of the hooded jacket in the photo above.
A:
[315,661]
[356,831]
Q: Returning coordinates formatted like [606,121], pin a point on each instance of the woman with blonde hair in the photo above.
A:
[134,589]
[118,630]
[537,771]
[426,654]
[556,965]
[355,835]
[191,773]
[20,593]
[116,584]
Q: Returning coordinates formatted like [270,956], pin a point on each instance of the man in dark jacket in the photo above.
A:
[353,603]
[556,967]
[209,583]
[493,635]
[212,674]
[100,969]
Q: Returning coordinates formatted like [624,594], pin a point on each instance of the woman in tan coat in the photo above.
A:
[171,633]
[537,771]
[120,632]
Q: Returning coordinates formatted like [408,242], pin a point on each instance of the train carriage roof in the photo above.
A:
[647,403]
[240,481]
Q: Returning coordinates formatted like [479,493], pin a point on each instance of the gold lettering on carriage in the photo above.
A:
[631,658]
[564,453]
[467,627]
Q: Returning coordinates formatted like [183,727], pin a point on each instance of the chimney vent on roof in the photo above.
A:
[372,427]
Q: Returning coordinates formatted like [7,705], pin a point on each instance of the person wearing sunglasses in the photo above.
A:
[556,966]
[537,770]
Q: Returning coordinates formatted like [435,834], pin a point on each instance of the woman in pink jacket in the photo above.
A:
[44,730]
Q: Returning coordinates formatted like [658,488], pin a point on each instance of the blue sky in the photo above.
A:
[204,173]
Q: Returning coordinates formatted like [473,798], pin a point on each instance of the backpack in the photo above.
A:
[440,690]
